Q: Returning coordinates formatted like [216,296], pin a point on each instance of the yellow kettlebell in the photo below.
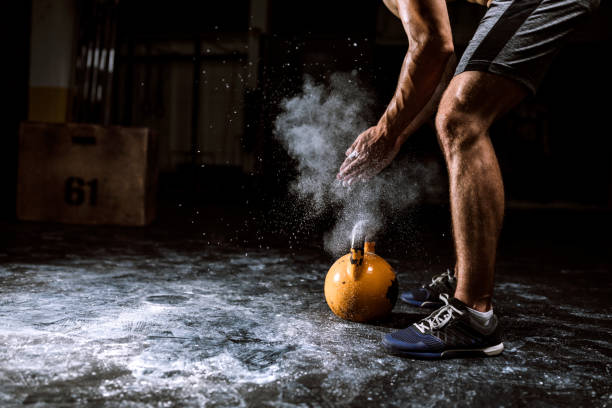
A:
[361,286]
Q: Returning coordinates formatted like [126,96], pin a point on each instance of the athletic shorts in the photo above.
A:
[518,39]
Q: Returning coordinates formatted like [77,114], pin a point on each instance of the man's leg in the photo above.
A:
[471,103]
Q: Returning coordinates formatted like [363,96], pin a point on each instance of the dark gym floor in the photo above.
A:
[101,316]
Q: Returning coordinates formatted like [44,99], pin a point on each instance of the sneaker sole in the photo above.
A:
[426,304]
[487,352]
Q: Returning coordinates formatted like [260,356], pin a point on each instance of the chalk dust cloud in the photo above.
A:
[316,126]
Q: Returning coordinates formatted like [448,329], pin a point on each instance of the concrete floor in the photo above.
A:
[148,317]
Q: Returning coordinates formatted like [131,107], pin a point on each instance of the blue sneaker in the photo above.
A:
[429,295]
[450,331]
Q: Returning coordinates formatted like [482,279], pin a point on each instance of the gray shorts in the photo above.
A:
[519,38]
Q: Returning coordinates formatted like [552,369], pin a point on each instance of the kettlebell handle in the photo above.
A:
[358,238]
[358,235]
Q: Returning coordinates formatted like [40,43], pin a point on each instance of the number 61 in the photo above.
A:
[74,191]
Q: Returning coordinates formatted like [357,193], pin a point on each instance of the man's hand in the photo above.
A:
[371,152]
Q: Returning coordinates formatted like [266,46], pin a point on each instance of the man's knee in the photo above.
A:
[458,126]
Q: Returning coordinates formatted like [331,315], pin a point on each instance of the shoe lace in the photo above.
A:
[438,281]
[440,317]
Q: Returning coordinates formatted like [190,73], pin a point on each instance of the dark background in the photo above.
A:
[183,69]
[220,301]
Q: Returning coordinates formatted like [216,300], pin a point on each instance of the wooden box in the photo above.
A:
[86,174]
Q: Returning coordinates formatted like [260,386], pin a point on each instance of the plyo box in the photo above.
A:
[86,174]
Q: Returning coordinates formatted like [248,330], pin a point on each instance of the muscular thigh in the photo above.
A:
[481,95]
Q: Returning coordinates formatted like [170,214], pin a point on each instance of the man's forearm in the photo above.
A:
[423,75]
[430,47]
[431,106]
